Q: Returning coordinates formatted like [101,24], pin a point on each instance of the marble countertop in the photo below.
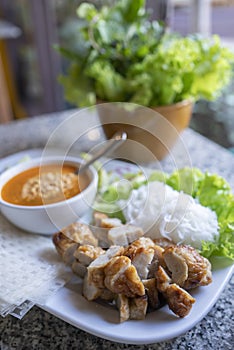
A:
[41,330]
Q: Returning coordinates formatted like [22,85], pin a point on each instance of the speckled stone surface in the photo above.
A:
[39,330]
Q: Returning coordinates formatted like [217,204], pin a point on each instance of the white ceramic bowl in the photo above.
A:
[49,218]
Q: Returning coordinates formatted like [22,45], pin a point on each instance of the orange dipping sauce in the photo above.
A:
[44,184]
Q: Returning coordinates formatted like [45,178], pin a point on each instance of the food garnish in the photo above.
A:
[210,193]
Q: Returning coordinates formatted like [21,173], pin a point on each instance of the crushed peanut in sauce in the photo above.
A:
[50,186]
[44,185]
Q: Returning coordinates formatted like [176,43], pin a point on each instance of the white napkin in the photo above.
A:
[30,270]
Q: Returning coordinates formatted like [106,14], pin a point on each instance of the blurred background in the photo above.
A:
[29,66]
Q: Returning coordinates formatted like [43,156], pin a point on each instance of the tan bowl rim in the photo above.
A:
[176,105]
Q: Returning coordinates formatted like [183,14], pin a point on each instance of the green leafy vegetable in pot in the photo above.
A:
[118,54]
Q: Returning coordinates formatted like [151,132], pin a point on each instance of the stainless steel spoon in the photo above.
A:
[112,144]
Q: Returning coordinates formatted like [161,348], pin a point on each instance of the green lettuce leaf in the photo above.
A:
[110,209]
[215,193]
[187,180]
[225,245]
[157,175]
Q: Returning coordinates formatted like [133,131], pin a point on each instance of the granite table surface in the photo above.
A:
[41,330]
